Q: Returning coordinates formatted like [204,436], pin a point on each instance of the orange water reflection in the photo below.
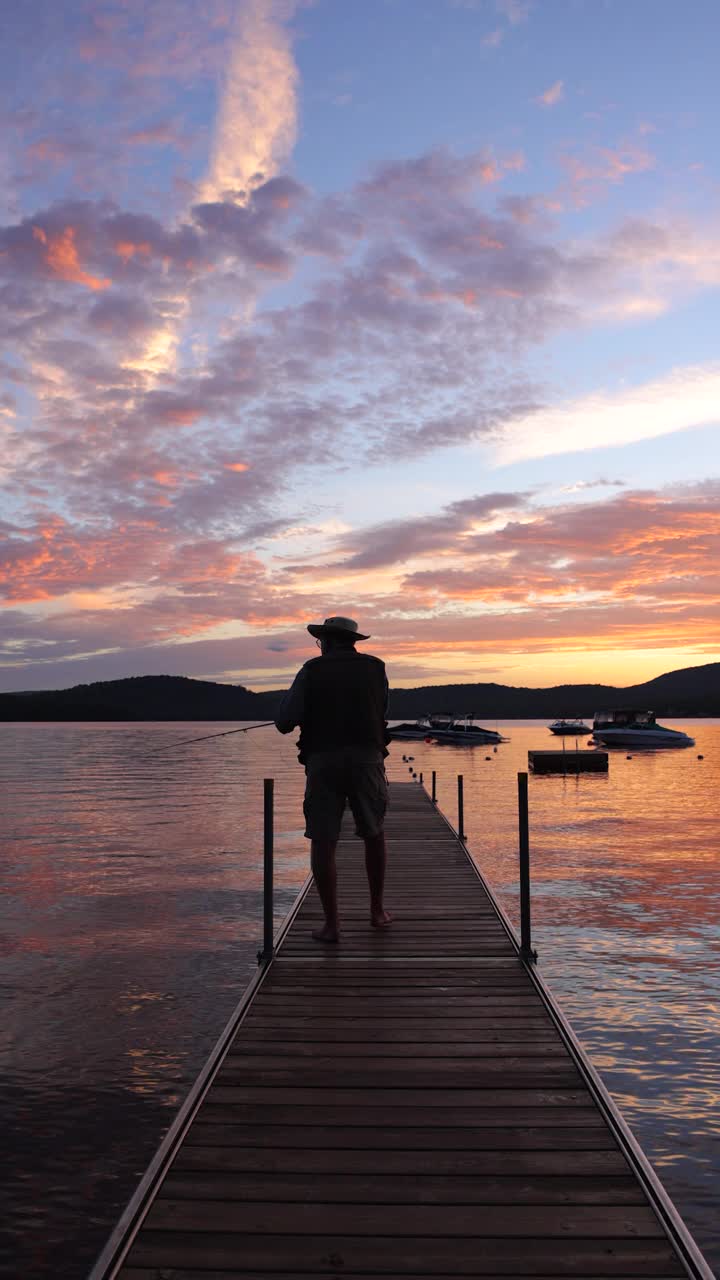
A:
[626,912]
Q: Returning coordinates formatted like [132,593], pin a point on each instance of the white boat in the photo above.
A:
[560,727]
[628,727]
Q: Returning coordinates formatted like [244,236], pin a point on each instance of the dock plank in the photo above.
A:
[220,1130]
[337,1218]
[407,1189]
[324,1255]
[400,1105]
[419,1163]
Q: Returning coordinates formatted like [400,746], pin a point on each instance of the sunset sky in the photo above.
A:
[401,309]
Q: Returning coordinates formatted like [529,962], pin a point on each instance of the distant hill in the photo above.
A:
[692,691]
[140,698]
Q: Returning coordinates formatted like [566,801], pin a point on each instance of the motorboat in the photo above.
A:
[576,727]
[460,729]
[446,728]
[415,732]
[628,727]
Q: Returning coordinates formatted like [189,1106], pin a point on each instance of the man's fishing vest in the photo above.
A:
[344,702]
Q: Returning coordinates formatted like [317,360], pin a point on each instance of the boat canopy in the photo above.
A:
[622,717]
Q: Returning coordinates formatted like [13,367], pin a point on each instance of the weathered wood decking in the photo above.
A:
[403,1104]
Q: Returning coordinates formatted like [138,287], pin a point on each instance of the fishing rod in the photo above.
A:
[206,738]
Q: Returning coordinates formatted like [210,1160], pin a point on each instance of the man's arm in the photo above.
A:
[292,708]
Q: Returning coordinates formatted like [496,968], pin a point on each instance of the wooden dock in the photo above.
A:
[408,1103]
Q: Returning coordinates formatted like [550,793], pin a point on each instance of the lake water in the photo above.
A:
[131,914]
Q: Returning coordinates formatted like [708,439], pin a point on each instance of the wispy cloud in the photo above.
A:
[685,398]
[589,173]
[257,118]
[552,96]
[601,483]
[516,11]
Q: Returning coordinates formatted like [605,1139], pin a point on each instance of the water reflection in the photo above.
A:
[131,914]
[626,919]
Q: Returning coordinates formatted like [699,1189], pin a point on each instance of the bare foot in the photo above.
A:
[380,919]
[328,933]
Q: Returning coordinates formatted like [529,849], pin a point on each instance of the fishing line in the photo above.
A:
[185,742]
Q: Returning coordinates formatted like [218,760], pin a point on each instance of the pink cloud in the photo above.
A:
[397,541]
[162,42]
[588,174]
[418,270]
[553,95]
[53,559]
[403,337]
[628,547]
[161,134]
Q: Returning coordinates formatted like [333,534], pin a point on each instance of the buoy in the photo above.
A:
[628,757]
[411,757]
[701,757]
[495,750]
[488,757]
[404,757]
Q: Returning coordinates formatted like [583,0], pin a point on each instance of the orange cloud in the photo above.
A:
[126,250]
[61,256]
[236,466]
[256,618]
[177,417]
[489,171]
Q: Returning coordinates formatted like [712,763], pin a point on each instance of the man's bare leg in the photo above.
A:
[375,863]
[324,869]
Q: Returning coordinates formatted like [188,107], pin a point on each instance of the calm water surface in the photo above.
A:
[131,913]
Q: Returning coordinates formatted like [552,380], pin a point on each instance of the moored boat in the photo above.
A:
[628,727]
[461,730]
[568,726]
[446,728]
[408,732]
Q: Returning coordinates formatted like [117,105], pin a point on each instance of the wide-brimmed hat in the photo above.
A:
[336,626]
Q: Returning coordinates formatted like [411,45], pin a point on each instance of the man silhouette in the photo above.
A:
[339,700]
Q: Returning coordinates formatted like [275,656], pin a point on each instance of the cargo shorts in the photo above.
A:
[352,775]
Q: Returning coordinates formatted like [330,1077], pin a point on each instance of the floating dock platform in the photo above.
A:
[568,761]
[409,1103]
